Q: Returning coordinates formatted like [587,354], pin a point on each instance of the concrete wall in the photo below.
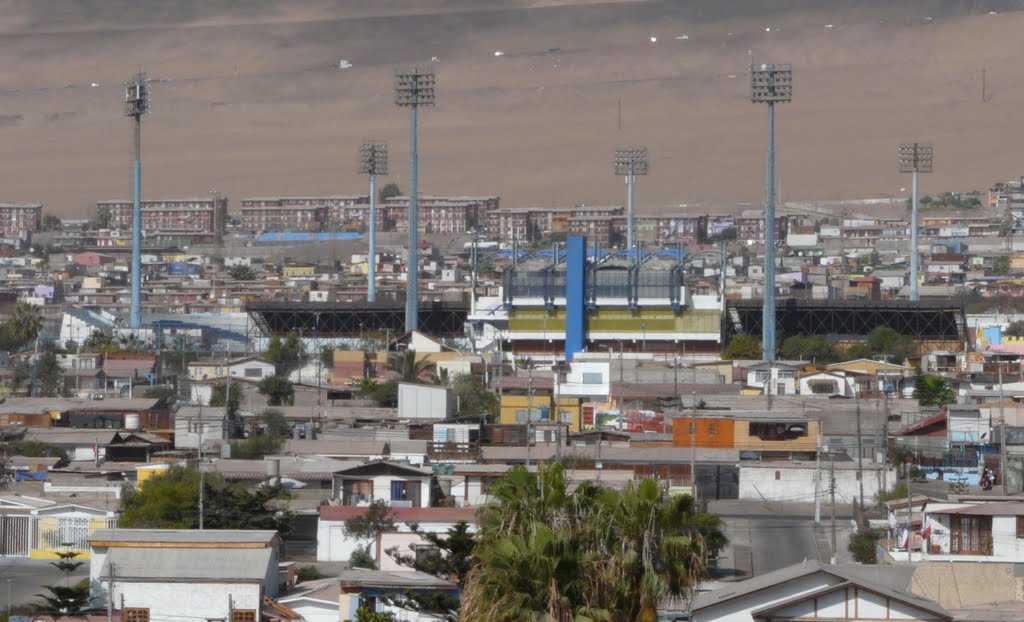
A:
[417,401]
[334,545]
[758,480]
[188,600]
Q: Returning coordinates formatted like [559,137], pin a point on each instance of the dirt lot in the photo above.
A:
[251,101]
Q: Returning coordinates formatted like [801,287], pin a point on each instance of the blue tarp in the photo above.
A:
[295,236]
[23,476]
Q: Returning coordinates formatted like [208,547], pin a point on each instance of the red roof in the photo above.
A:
[403,515]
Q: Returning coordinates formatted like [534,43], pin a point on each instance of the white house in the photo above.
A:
[184,574]
[421,401]
[827,384]
[381,592]
[249,367]
[778,378]
[974,532]
[315,601]
[334,544]
[399,485]
[808,591]
[590,379]
[794,481]
[191,422]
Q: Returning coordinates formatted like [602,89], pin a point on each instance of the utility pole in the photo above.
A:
[110,593]
[860,453]
[885,443]
[200,466]
[693,448]
[1002,436]
[910,512]
[558,416]
[817,478]
[832,491]
[529,416]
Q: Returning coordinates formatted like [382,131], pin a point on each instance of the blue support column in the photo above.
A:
[575,301]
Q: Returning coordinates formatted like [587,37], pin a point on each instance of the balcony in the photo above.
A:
[451,451]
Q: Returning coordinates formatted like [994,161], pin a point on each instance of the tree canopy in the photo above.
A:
[171,501]
[742,347]
[931,390]
[278,390]
[544,553]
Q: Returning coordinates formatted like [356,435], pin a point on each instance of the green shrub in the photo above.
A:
[863,546]
[306,573]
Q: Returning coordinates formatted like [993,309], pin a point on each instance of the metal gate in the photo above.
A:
[15,536]
[718,482]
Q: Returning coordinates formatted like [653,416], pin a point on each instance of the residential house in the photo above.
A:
[249,367]
[373,589]
[399,485]
[159,574]
[194,422]
[974,531]
[775,378]
[758,435]
[807,591]
[334,544]
[827,384]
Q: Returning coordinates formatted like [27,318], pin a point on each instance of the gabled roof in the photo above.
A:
[809,567]
[385,467]
[229,538]
[404,579]
[184,564]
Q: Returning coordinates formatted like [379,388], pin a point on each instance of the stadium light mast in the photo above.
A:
[373,161]
[136,104]
[914,158]
[630,162]
[770,84]
[413,88]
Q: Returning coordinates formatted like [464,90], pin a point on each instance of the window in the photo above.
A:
[778,475]
[405,494]
[253,372]
[971,535]
[356,491]
[592,378]
[136,615]
[712,429]
[243,615]
[1020,526]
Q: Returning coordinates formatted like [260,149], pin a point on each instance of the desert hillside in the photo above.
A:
[250,100]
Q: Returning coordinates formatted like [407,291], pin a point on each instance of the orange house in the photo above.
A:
[767,434]
[712,432]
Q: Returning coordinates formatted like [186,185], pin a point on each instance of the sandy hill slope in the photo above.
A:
[250,100]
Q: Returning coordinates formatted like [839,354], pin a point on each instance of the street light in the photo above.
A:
[413,88]
[914,158]
[630,162]
[373,161]
[770,84]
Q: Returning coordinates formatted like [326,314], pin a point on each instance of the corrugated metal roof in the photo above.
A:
[185,536]
[186,563]
[404,515]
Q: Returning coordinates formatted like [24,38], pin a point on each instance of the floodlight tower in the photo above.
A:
[413,88]
[136,104]
[373,161]
[914,158]
[770,84]
[630,162]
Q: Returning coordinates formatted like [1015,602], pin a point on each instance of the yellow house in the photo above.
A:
[514,409]
[61,528]
[298,271]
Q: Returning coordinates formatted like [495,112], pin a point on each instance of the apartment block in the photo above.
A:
[18,218]
[200,219]
[299,213]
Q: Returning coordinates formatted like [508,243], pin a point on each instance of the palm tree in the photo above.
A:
[101,342]
[26,322]
[442,378]
[544,553]
[407,367]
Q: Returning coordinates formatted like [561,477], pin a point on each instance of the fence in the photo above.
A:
[21,535]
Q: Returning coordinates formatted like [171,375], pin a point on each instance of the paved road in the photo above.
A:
[766,537]
[27,578]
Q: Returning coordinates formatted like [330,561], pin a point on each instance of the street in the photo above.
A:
[24,579]
[767,536]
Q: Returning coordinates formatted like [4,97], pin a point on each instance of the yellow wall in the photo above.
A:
[571,406]
[295,271]
[744,440]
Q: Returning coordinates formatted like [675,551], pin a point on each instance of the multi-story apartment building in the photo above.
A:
[299,213]
[441,214]
[18,218]
[752,227]
[200,219]
[597,229]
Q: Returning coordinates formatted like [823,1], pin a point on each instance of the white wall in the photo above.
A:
[1006,546]
[314,611]
[179,601]
[417,401]
[334,545]
[758,481]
